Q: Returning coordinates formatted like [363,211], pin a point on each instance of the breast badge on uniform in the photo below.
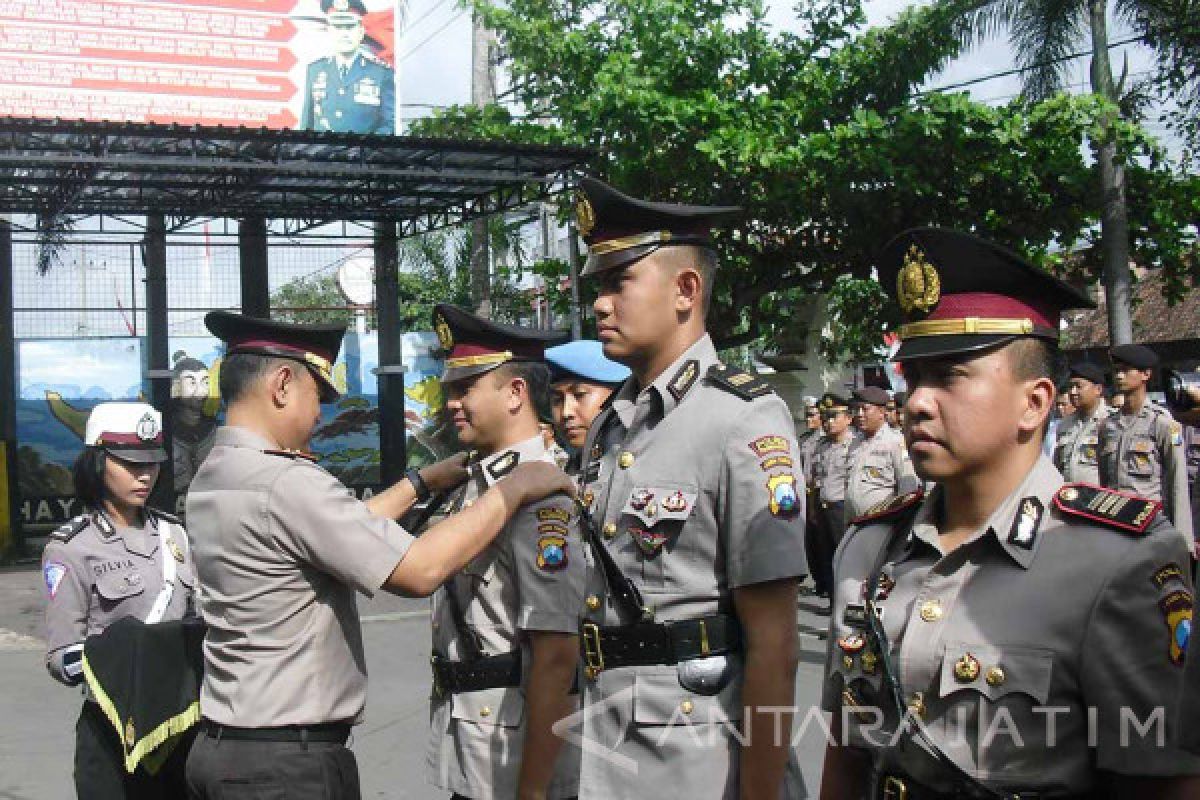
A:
[1113,509]
[176,550]
[650,542]
[1024,527]
[53,573]
[1177,614]
[783,502]
[551,552]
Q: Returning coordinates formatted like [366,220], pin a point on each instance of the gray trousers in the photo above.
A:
[231,769]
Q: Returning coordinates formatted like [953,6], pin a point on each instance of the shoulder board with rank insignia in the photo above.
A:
[166,517]
[293,454]
[1125,512]
[503,465]
[746,385]
[889,508]
[67,531]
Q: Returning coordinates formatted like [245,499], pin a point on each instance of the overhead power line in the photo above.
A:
[430,37]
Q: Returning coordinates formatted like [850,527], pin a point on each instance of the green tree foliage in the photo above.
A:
[821,135]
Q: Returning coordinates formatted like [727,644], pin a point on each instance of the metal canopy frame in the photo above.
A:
[57,168]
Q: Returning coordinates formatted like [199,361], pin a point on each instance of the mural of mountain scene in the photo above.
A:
[60,380]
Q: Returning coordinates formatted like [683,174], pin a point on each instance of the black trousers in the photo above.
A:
[827,532]
[100,764]
[233,769]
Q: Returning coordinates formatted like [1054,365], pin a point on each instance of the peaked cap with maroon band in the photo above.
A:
[473,345]
[961,293]
[129,431]
[315,346]
[620,229]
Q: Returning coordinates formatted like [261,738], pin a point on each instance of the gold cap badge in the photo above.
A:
[445,337]
[585,215]
[918,286]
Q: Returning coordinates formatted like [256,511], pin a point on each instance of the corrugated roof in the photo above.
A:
[1153,320]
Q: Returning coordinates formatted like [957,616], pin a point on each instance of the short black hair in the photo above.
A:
[88,476]
[240,371]
[537,377]
[1034,358]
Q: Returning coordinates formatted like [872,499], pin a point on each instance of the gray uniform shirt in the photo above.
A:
[1143,453]
[1003,645]
[879,468]
[831,467]
[281,546]
[531,578]
[686,481]
[96,573]
[1077,448]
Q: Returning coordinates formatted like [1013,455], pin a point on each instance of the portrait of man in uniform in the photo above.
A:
[350,90]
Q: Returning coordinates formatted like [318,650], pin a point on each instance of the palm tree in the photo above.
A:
[1043,33]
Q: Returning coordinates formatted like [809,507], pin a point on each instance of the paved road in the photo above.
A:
[37,715]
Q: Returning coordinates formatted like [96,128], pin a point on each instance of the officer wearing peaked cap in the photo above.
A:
[281,548]
[1077,445]
[830,476]
[698,509]
[1141,446]
[961,617]
[119,559]
[505,629]
[880,467]
[349,90]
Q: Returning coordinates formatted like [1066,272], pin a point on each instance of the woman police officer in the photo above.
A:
[117,559]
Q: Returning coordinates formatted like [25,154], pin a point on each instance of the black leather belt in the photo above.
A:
[327,732]
[901,787]
[646,643]
[489,672]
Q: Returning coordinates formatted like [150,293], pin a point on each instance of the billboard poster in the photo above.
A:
[326,65]
[54,402]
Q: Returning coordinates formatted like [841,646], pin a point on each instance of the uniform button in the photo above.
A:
[610,530]
[848,662]
[486,711]
[626,459]
[967,668]
[996,676]
[931,611]
[687,706]
[593,602]
[916,705]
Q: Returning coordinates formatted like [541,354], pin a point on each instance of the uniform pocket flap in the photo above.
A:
[996,671]
[119,584]
[654,504]
[660,700]
[502,707]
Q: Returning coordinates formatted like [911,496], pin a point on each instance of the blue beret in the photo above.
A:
[584,359]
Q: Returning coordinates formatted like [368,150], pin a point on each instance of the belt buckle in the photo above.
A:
[592,654]
[894,789]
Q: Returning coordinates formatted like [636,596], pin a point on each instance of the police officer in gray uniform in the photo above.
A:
[698,507]
[281,548]
[880,467]
[505,629]
[833,460]
[120,559]
[349,91]
[1077,447]
[964,620]
[1141,446]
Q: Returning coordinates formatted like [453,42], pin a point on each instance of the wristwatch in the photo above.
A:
[418,484]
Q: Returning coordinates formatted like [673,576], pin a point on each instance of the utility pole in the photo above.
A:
[483,92]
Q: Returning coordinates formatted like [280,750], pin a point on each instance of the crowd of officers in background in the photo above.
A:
[1105,431]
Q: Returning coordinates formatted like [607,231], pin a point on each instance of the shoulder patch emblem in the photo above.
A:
[1167,573]
[1176,434]
[67,531]
[503,465]
[53,573]
[889,507]
[684,379]
[1176,608]
[551,552]
[745,385]
[1024,527]
[783,500]
[1125,512]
